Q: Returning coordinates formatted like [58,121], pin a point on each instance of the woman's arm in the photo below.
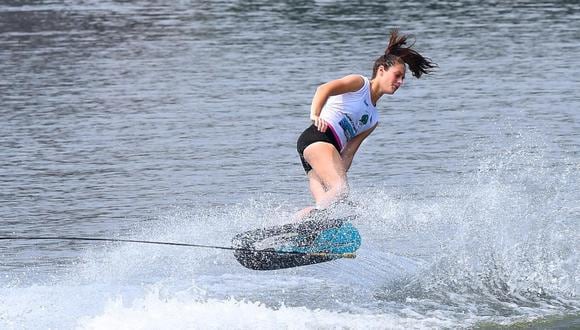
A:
[350,83]
[352,146]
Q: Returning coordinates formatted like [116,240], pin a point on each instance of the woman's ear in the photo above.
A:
[381,69]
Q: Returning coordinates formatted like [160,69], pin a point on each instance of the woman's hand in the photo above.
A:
[320,123]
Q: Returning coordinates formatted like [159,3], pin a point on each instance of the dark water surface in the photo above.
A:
[177,120]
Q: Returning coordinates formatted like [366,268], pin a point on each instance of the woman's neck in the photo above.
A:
[375,92]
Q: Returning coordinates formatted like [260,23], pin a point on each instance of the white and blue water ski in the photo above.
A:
[308,242]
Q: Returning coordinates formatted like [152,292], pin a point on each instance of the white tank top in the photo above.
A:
[350,114]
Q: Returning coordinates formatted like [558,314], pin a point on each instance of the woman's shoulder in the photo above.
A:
[356,78]
[351,82]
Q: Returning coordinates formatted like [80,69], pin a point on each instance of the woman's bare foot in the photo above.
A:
[303,214]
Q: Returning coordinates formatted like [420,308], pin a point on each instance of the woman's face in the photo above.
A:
[390,80]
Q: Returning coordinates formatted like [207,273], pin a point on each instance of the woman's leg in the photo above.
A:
[328,182]
[317,188]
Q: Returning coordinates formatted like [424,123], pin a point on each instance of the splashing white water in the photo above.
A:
[497,246]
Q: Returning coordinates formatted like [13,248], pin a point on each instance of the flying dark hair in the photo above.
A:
[396,52]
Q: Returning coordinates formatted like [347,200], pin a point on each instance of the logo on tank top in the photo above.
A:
[364,119]
[347,126]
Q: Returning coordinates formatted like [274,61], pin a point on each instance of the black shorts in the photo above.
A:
[310,136]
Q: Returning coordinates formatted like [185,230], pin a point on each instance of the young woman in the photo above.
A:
[344,113]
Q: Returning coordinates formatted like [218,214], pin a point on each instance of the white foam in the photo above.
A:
[497,248]
[155,312]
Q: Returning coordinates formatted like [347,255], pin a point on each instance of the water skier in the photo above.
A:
[344,114]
